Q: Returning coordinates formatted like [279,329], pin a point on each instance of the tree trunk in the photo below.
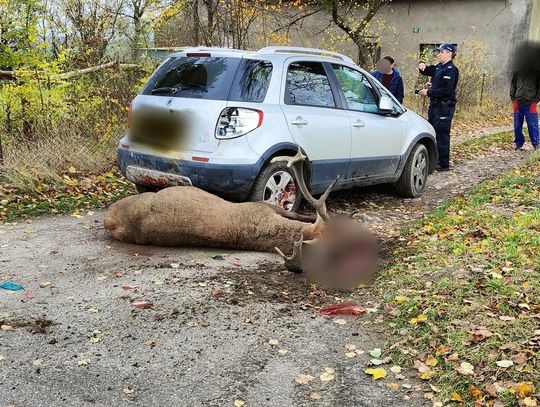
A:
[365,59]
[196,22]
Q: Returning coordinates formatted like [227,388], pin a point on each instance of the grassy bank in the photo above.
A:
[462,294]
[69,192]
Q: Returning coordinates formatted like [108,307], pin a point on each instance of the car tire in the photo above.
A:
[141,189]
[413,180]
[276,185]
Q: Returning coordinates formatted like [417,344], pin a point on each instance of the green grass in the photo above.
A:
[479,146]
[472,264]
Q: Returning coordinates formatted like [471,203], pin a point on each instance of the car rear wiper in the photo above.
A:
[167,89]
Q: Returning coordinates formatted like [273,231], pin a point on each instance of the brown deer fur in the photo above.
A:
[188,216]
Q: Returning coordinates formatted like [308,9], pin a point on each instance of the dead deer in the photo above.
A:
[328,249]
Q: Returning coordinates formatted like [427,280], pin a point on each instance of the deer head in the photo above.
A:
[343,255]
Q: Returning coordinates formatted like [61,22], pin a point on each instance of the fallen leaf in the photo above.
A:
[303,378]
[520,359]
[421,366]
[350,346]
[326,377]
[45,284]
[524,390]
[504,363]
[38,362]
[529,402]
[476,393]
[273,342]
[340,321]
[399,299]
[456,397]
[427,375]
[84,362]
[418,320]
[465,368]
[283,351]
[6,327]
[396,369]
[143,304]
[350,354]
[378,373]
[314,395]
[174,265]
[479,335]
[392,386]
[349,308]
[149,342]
[442,349]
[375,353]
[127,287]
[431,361]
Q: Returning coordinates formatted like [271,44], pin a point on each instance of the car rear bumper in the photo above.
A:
[230,181]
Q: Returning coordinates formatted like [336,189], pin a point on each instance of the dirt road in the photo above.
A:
[223,327]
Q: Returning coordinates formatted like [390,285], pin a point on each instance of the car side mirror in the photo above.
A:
[386,105]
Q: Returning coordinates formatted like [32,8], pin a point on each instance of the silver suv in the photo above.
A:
[214,118]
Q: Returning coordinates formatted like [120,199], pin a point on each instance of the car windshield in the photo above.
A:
[211,78]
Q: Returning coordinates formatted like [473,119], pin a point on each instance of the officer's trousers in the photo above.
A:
[440,116]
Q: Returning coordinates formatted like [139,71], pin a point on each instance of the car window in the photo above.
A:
[307,84]
[193,77]
[251,81]
[358,92]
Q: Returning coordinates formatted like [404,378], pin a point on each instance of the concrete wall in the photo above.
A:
[534,32]
[498,24]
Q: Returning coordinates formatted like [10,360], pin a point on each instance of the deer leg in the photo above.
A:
[294,216]
[293,262]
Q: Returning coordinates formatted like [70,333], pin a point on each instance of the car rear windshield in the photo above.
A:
[217,78]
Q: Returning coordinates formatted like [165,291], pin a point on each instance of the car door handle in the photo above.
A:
[299,121]
[359,123]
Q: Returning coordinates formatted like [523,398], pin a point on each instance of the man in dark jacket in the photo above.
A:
[525,95]
[442,94]
[389,77]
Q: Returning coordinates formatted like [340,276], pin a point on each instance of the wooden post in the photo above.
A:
[482,89]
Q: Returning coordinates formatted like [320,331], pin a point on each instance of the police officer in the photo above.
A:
[442,94]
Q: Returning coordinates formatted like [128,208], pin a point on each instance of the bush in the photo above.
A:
[49,123]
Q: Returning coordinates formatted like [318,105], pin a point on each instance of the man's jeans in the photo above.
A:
[529,113]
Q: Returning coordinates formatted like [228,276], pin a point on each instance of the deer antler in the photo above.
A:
[294,261]
[296,163]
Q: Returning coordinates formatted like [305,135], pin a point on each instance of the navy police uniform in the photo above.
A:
[442,94]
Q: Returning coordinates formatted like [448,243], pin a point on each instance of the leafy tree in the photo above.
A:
[344,14]
[18,31]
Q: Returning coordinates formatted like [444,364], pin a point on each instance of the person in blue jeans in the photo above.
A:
[388,75]
[525,95]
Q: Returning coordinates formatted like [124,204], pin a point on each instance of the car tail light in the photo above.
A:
[129,115]
[237,121]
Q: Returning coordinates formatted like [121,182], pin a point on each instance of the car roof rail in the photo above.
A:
[216,49]
[307,51]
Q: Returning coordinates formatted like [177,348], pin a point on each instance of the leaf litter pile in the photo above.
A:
[69,192]
[462,295]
